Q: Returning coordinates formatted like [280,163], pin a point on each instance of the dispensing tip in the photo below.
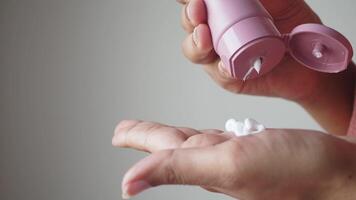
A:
[318,51]
[257,66]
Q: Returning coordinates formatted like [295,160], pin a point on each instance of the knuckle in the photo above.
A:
[171,174]
[194,140]
[178,135]
[125,124]
[151,127]
[175,137]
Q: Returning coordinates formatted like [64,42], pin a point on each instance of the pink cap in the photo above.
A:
[320,48]
[240,47]
[243,33]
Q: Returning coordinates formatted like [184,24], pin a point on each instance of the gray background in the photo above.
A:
[71,69]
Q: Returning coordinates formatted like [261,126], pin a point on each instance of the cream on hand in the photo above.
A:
[243,128]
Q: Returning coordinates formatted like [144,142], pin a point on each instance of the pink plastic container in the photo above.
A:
[250,45]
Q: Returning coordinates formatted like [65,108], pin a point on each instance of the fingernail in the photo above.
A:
[125,196]
[222,70]
[134,188]
[188,11]
[195,36]
[114,141]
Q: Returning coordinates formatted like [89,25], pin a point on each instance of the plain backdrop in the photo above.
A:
[70,70]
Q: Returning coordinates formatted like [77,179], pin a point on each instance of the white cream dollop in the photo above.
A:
[242,128]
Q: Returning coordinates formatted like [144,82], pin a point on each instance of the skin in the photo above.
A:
[327,97]
[275,164]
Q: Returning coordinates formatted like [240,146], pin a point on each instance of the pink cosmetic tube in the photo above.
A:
[250,45]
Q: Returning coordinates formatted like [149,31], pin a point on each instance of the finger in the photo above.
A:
[280,7]
[198,46]
[205,140]
[188,131]
[212,131]
[182,1]
[218,72]
[198,166]
[193,14]
[288,14]
[149,136]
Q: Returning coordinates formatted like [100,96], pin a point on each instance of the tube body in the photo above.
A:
[242,32]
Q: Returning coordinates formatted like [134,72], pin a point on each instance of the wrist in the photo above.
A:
[342,187]
[338,85]
[331,101]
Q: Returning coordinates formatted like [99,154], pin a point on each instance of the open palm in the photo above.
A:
[275,164]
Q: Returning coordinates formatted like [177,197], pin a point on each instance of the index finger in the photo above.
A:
[182,1]
[280,7]
[152,137]
[149,136]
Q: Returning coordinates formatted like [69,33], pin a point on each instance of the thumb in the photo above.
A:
[195,166]
[288,14]
[281,7]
